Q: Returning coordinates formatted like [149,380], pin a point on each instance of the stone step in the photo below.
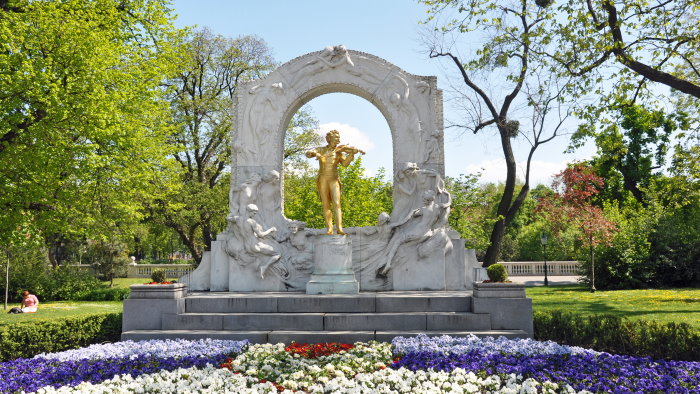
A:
[276,336]
[428,321]
[331,303]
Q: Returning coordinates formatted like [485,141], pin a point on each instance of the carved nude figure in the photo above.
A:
[244,194]
[417,227]
[254,234]
[328,182]
[330,58]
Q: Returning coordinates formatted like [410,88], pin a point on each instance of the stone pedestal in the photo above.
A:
[144,308]
[333,272]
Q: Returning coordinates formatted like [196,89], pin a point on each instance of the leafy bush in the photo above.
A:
[497,273]
[158,276]
[104,294]
[30,339]
[613,334]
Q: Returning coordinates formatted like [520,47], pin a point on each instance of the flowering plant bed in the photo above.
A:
[159,283]
[407,365]
[500,281]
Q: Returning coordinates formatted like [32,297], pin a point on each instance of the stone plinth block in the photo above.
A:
[171,291]
[144,308]
[499,290]
[333,272]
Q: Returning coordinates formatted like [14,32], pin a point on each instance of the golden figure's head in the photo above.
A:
[332,137]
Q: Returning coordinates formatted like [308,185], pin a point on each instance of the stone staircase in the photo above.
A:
[286,317]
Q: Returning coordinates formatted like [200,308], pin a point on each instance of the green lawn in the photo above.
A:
[663,306]
[668,305]
[61,309]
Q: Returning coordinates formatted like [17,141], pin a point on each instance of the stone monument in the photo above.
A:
[412,248]
[271,279]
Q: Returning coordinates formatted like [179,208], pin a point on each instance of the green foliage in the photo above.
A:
[613,334]
[82,115]
[497,272]
[110,258]
[630,155]
[363,197]
[195,204]
[29,339]
[158,276]
[103,294]
[470,210]
[620,51]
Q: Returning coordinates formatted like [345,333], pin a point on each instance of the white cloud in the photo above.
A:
[348,135]
[495,170]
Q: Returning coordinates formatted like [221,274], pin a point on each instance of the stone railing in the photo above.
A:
[536,268]
[145,270]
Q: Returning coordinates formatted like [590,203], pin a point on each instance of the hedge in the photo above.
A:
[29,339]
[613,334]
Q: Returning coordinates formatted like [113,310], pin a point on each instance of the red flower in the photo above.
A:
[317,350]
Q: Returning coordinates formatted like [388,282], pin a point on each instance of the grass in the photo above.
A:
[61,309]
[663,306]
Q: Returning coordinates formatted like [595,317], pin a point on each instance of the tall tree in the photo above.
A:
[631,153]
[81,112]
[195,206]
[201,99]
[507,84]
[629,43]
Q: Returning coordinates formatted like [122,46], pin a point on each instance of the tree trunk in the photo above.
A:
[499,228]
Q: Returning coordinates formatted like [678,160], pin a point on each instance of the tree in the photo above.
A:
[195,205]
[201,96]
[646,40]
[469,210]
[630,155]
[81,112]
[511,55]
[571,205]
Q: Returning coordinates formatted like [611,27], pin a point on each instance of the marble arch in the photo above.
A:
[412,106]
[403,251]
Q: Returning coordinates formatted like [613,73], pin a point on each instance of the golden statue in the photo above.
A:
[328,183]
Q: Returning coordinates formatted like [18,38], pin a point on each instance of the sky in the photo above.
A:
[389,29]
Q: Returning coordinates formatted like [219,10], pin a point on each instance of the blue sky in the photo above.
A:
[389,29]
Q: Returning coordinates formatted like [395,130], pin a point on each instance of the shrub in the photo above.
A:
[497,273]
[158,276]
[613,334]
[30,339]
[105,294]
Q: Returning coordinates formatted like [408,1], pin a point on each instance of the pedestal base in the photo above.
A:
[333,284]
[333,272]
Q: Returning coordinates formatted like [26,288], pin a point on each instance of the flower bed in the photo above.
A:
[407,365]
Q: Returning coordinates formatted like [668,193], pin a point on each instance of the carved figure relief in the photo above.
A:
[255,248]
[417,227]
[409,184]
[261,120]
[330,58]
[431,146]
[242,195]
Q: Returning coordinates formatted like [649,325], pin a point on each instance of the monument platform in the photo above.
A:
[314,318]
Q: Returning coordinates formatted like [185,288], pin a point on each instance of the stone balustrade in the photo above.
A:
[536,268]
[145,270]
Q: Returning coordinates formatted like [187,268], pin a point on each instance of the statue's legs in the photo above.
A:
[267,250]
[325,195]
[335,197]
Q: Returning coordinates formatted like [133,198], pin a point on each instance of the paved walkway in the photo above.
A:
[539,280]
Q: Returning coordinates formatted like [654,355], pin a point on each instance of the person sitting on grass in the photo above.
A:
[29,302]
